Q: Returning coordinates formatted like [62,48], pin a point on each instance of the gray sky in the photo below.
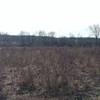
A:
[61,16]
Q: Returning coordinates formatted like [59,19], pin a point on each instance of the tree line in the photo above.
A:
[43,39]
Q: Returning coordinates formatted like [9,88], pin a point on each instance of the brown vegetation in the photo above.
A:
[57,73]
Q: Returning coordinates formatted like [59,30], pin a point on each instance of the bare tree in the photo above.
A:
[42,33]
[71,35]
[23,38]
[23,33]
[51,34]
[95,29]
[79,35]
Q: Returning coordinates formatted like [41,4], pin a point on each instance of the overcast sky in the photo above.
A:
[61,16]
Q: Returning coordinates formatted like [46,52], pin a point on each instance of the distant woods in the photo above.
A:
[23,40]
[49,39]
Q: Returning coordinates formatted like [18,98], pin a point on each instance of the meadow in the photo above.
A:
[50,73]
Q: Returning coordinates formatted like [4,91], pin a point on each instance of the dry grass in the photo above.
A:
[26,73]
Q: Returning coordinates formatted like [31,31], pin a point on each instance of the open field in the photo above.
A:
[54,73]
